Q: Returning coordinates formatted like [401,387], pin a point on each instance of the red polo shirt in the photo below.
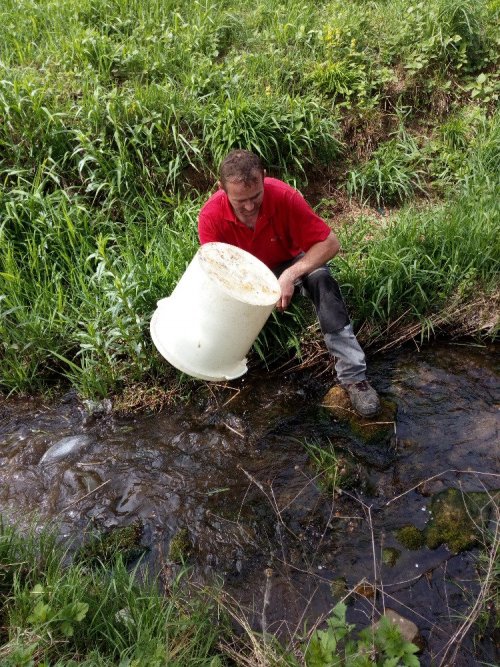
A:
[286,225]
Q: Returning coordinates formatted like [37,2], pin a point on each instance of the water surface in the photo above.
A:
[233,470]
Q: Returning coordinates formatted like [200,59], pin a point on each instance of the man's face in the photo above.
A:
[246,199]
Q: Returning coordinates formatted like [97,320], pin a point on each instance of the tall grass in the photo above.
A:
[115,115]
[57,612]
[423,258]
[78,290]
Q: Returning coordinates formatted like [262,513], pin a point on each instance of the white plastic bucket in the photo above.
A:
[206,327]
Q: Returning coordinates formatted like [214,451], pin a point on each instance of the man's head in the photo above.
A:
[241,166]
[242,179]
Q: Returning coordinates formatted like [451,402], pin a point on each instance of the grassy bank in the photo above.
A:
[114,116]
[94,611]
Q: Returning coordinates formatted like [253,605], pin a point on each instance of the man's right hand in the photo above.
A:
[286,282]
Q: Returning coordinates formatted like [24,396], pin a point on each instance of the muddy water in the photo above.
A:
[235,474]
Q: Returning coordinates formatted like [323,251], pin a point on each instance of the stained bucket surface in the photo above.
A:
[206,327]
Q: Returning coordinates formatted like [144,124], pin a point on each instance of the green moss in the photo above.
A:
[103,547]
[180,546]
[390,556]
[338,588]
[456,519]
[411,537]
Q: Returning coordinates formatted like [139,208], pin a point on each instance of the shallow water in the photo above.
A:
[238,477]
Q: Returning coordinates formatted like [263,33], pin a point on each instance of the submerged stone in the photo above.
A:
[370,430]
[65,447]
[390,556]
[407,628]
[458,518]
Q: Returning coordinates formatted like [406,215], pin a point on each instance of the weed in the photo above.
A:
[336,646]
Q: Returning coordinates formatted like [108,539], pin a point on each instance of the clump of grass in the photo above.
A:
[337,470]
[55,612]
[392,175]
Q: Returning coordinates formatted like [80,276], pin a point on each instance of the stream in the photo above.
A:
[232,474]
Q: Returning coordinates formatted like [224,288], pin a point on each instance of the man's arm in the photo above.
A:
[317,255]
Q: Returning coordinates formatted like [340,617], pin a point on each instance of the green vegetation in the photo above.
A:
[95,614]
[457,520]
[411,537]
[114,117]
[337,470]
[382,645]
[58,611]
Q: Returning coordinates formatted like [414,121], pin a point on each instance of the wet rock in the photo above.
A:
[96,409]
[371,430]
[408,629]
[366,590]
[65,447]
[431,487]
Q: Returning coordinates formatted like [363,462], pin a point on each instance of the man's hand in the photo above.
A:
[316,256]
[286,282]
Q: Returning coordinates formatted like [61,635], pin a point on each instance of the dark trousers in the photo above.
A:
[324,291]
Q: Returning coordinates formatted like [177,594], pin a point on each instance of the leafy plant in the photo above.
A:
[383,645]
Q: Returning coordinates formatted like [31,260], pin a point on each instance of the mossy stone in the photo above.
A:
[180,547]
[390,556]
[457,518]
[369,430]
[411,537]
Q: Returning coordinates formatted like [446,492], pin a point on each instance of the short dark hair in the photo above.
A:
[240,165]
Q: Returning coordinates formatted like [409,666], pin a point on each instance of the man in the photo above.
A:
[269,219]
